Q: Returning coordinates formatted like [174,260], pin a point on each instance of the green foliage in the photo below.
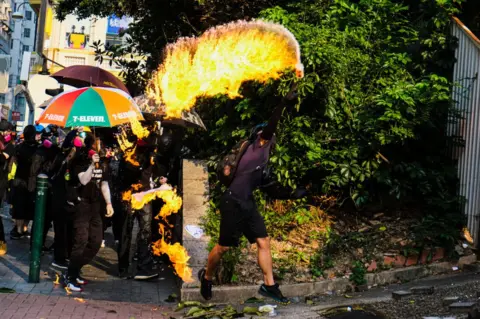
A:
[358,274]
[369,123]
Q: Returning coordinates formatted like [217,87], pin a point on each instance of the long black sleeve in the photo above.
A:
[269,130]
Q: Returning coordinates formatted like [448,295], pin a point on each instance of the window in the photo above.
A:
[28,15]
[73,60]
[26,48]
[26,33]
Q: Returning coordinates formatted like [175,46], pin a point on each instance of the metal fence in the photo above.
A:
[464,125]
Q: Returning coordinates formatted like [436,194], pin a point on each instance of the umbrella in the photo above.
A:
[93,106]
[154,112]
[86,75]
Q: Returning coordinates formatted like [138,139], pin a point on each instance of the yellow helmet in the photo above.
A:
[87,129]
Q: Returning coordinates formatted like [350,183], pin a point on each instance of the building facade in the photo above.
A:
[6,34]
[21,46]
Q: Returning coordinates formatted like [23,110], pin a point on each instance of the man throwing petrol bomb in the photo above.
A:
[239,215]
[89,181]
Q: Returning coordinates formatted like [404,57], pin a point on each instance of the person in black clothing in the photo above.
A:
[88,182]
[239,215]
[42,163]
[23,200]
[6,152]
[141,175]
[62,212]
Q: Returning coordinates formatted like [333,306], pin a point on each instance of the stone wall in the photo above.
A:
[195,205]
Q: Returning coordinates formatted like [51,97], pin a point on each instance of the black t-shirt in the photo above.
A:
[92,190]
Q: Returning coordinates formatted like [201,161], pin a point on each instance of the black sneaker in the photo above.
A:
[15,235]
[135,257]
[60,265]
[205,285]
[146,274]
[274,293]
[124,274]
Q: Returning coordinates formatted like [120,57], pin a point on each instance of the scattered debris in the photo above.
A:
[4,290]
[172,298]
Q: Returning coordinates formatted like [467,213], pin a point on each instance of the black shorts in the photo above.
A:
[239,217]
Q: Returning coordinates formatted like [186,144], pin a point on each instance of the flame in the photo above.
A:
[467,235]
[67,290]
[177,254]
[220,60]
[137,187]
[128,148]
[80,300]
[126,196]
[57,279]
[172,205]
[138,129]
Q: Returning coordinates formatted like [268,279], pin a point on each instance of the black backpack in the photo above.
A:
[228,164]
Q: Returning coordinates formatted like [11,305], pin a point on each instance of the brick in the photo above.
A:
[423,290]
[450,300]
[411,261]
[388,261]
[398,295]
[462,307]
[372,267]
[424,256]
[400,260]
[438,254]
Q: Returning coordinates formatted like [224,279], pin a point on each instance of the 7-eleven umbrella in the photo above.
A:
[93,106]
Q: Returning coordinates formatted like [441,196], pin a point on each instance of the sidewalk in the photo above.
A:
[24,306]
[101,273]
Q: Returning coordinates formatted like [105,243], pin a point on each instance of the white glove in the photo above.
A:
[95,158]
[109,210]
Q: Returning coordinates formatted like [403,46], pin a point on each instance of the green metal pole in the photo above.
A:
[37,233]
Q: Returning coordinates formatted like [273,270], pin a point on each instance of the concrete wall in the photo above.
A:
[195,205]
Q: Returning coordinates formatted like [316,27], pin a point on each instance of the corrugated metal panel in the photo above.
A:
[464,128]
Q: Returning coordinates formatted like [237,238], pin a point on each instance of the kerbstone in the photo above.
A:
[423,290]
[462,307]
[398,295]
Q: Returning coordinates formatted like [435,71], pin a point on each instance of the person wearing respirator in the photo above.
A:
[89,181]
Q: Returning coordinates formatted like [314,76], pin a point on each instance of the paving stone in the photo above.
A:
[462,307]
[449,300]
[398,295]
[423,290]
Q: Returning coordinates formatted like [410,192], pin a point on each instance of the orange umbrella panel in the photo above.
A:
[93,106]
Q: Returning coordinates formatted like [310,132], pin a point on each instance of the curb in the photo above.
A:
[224,294]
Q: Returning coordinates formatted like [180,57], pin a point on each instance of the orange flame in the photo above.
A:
[177,254]
[220,60]
[128,148]
[138,129]
[57,279]
[126,196]
[466,234]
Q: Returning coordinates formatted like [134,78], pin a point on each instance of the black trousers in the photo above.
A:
[63,226]
[144,238]
[2,231]
[87,236]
